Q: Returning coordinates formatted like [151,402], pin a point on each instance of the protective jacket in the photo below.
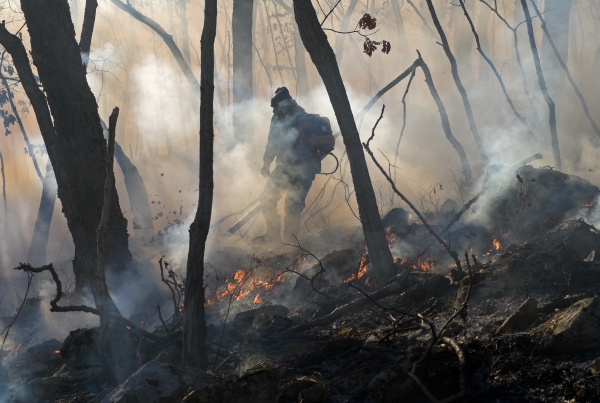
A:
[283,141]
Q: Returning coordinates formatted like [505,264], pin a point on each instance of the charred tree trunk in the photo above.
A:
[243,93]
[459,84]
[544,89]
[89,19]
[323,57]
[39,242]
[78,141]
[194,325]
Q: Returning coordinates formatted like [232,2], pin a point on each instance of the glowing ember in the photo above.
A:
[496,243]
[427,264]
[128,327]
[589,205]
[258,299]
[363,268]
[56,351]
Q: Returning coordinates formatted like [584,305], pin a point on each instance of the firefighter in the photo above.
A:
[295,170]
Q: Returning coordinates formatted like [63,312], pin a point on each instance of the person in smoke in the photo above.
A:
[295,170]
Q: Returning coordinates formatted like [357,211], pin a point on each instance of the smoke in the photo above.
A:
[158,130]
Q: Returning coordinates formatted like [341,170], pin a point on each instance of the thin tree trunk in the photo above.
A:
[194,325]
[459,84]
[78,135]
[41,230]
[89,19]
[138,194]
[4,190]
[563,65]
[495,71]
[544,89]
[185,36]
[555,39]
[322,55]
[243,92]
[446,122]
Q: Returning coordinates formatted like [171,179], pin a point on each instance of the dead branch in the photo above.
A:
[496,74]
[397,286]
[10,325]
[544,89]
[461,310]
[54,307]
[452,254]
[168,283]
[562,63]
[313,278]
[410,80]
[458,82]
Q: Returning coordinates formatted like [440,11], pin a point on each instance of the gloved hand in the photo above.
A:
[265,172]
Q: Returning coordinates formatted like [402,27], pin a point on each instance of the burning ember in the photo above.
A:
[496,243]
[128,327]
[427,264]
[57,352]
[258,299]
[589,205]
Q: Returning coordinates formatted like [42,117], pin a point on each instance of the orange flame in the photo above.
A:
[496,243]
[427,264]
[56,351]
[258,299]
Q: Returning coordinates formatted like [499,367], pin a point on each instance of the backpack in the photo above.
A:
[314,134]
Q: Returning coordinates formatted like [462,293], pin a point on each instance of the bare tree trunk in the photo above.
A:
[4,189]
[446,122]
[243,92]
[138,195]
[322,55]
[563,64]
[557,21]
[185,36]
[194,325]
[89,19]
[79,164]
[459,84]
[39,242]
[544,89]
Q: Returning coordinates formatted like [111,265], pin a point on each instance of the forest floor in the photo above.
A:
[521,323]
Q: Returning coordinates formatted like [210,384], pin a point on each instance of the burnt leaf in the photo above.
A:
[386,47]
[367,22]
